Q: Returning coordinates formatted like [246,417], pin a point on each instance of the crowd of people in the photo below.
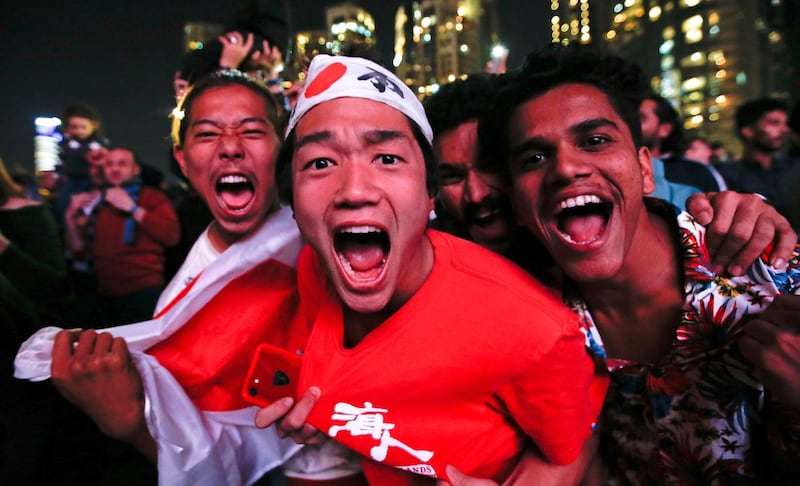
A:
[528,278]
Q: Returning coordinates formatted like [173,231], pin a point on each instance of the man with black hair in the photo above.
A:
[763,169]
[473,201]
[125,227]
[663,135]
[690,351]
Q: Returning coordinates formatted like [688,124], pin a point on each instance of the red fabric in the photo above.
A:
[251,309]
[123,269]
[480,357]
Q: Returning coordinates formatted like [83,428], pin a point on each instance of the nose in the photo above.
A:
[569,164]
[356,185]
[476,187]
[230,146]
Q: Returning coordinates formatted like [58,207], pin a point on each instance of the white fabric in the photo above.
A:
[194,447]
[332,77]
[199,257]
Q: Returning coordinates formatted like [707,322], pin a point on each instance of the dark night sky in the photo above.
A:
[120,58]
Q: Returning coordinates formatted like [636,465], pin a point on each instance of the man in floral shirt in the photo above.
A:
[702,389]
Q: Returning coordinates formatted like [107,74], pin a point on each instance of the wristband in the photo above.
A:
[133,209]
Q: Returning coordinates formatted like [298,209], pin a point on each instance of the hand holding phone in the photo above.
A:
[274,373]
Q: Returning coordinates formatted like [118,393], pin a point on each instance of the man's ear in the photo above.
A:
[746,132]
[646,168]
[177,152]
[664,129]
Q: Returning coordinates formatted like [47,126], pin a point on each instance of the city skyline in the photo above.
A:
[121,58]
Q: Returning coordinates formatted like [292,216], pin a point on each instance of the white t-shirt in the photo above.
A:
[198,258]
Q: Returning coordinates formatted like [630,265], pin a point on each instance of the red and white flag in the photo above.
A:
[191,357]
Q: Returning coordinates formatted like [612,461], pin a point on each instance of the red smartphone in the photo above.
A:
[274,373]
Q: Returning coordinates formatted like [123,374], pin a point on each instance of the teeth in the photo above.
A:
[361,230]
[233,179]
[578,201]
[569,238]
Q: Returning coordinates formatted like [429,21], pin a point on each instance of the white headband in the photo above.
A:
[331,77]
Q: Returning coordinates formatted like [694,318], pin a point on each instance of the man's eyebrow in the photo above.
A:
[443,165]
[378,136]
[539,143]
[206,121]
[315,137]
[372,137]
[592,124]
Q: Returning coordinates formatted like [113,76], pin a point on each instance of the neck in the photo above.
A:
[220,239]
[414,273]
[638,309]
[358,324]
[763,158]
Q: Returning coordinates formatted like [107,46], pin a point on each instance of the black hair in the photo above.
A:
[666,113]
[81,110]
[461,101]
[553,66]
[283,167]
[136,159]
[276,114]
[752,111]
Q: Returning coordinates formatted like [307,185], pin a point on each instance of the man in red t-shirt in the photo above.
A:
[424,350]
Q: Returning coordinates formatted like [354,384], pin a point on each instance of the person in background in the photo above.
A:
[125,229]
[662,133]
[255,43]
[82,145]
[31,256]
[698,149]
[763,169]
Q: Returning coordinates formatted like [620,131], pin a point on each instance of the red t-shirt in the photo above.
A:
[479,359]
[122,268]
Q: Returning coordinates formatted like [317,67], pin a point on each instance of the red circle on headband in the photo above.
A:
[325,79]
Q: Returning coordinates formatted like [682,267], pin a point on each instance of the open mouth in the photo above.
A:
[362,251]
[582,219]
[235,190]
[484,214]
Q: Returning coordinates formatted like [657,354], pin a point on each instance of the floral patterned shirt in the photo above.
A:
[700,415]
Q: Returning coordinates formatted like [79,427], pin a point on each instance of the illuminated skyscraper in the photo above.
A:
[437,41]
[575,20]
[706,56]
[349,29]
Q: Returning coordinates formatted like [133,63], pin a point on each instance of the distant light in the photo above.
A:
[655,13]
[499,50]
[47,121]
